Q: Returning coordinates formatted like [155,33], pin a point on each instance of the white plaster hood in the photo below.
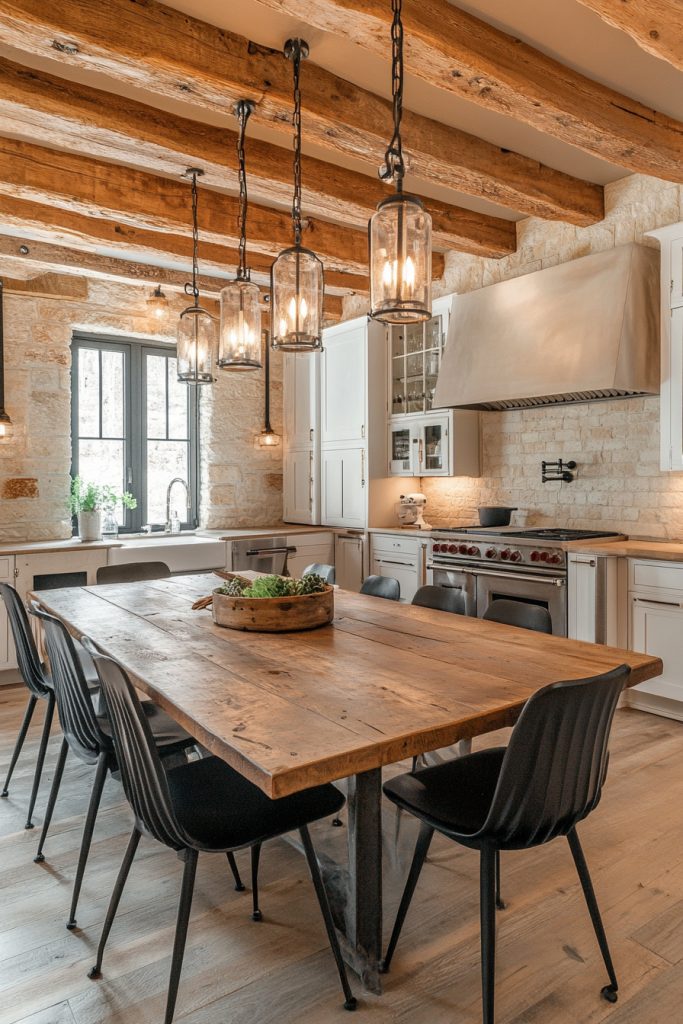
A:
[582,331]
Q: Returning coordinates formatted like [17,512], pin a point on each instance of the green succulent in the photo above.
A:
[311,583]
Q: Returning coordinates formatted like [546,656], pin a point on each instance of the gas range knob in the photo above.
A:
[516,556]
[452,549]
[505,554]
[491,552]
[463,549]
[534,556]
[544,556]
[436,547]
[555,558]
[473,551]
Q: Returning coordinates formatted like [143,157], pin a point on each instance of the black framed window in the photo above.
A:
[134,426]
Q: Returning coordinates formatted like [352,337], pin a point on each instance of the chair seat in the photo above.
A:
[168,735]
[222,810]
[454,797]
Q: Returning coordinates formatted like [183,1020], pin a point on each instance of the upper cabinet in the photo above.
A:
[344,384]
[671,403]
[415,357]
[301,398]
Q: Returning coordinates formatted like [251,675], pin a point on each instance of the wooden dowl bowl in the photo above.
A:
[274,614]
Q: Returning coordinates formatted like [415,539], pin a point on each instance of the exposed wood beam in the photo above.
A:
[37,222]
[453,50]
[212,68]
[109,191]
[47,286]
[70,116]
[656,25]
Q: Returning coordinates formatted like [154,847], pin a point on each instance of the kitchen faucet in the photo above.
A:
[176,480]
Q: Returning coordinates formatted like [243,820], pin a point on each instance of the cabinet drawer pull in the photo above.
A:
[657,604]
[386,561]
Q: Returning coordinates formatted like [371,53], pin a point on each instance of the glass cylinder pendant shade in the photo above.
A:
[195,346]
[239,346]
[401,261]
[296,288]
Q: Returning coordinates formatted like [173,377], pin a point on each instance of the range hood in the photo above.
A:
[579,332]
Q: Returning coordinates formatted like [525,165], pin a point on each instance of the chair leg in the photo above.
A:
[608,992]
[184,908]
[47,725]
[421,849]
[349,998]
[28,715]
[54,790]
[88,828]
[487,911]
[239,884]
[256,914]
[500,904]
[96,971]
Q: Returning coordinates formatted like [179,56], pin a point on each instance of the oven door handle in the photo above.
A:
[556,581]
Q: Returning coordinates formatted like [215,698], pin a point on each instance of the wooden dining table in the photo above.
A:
[383,682]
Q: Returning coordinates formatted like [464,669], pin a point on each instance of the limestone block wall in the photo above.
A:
[240,483]
[616,444]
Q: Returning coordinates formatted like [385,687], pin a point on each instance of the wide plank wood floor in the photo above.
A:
[237,971]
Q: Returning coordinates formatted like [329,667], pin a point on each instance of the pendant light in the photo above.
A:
[196,327]
[5,421]
[296,277]
[240,329]
[400,232]
[267,438]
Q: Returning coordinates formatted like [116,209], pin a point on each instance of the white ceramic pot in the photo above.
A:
[90,526]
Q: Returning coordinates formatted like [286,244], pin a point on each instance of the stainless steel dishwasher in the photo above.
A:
[262,554]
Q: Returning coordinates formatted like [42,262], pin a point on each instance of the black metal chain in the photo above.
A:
[243,110]
[297,50]
[393,167]
[193,289]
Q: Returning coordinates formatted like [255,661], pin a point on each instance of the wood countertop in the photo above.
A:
[38,547]
[381,683]
[664,550]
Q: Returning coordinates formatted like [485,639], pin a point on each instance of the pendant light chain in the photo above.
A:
[393,167]
[194,287]
[296,56]
[243,109]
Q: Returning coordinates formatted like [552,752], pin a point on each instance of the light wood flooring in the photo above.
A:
[280,970]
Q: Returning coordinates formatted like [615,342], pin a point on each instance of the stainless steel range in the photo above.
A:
[508,562]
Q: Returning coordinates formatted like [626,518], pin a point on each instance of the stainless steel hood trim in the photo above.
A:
[583,331]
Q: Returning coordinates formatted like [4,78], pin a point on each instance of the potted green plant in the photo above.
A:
[87,502]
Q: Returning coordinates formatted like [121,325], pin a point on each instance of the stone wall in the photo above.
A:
[616,444]
[241,484]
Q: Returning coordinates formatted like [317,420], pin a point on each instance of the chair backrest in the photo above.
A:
[519,613]
[28,659]
[320,569]
[381,586]
[556,762]
[445,599]
[74,705]
[142,773]
[132,572]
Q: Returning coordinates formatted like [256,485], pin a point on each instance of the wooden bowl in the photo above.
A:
[274,614]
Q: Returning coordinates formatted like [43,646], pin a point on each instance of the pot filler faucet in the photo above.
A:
[169,524]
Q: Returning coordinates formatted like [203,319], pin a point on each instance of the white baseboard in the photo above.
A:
[654,705]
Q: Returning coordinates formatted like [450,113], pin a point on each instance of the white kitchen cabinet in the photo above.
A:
[343,384]
[656,627]
[7,653]
[443,444]
[300,493]
[671,395]
[349,560]
[675,252]
[310,548]
[301,378]
[403,558]
[592,598]
[343,487]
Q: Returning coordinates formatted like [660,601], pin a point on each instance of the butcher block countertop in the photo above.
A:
[664,550]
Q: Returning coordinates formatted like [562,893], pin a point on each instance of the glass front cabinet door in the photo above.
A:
[415,358]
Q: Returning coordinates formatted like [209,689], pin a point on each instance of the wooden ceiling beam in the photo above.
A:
[46,286]
[37,222]
[106,126]
[655,25]
[455,51]
[212,68]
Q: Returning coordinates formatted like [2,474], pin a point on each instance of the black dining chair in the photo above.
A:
[444,599]
[381,586]
[539,787]
[37,679]
[518,613]
[88,736]
[200,807]
[132,572]
[320,569]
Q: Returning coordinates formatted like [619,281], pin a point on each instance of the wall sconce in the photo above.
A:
[6,427]
[157,303]
[267,438]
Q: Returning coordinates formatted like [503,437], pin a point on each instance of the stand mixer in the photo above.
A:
[410,510]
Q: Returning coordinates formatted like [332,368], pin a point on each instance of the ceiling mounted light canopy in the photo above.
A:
[400,232]
[296,277]
[240,328]
[196,327]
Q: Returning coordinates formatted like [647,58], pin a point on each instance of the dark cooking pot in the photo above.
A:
[495,515]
